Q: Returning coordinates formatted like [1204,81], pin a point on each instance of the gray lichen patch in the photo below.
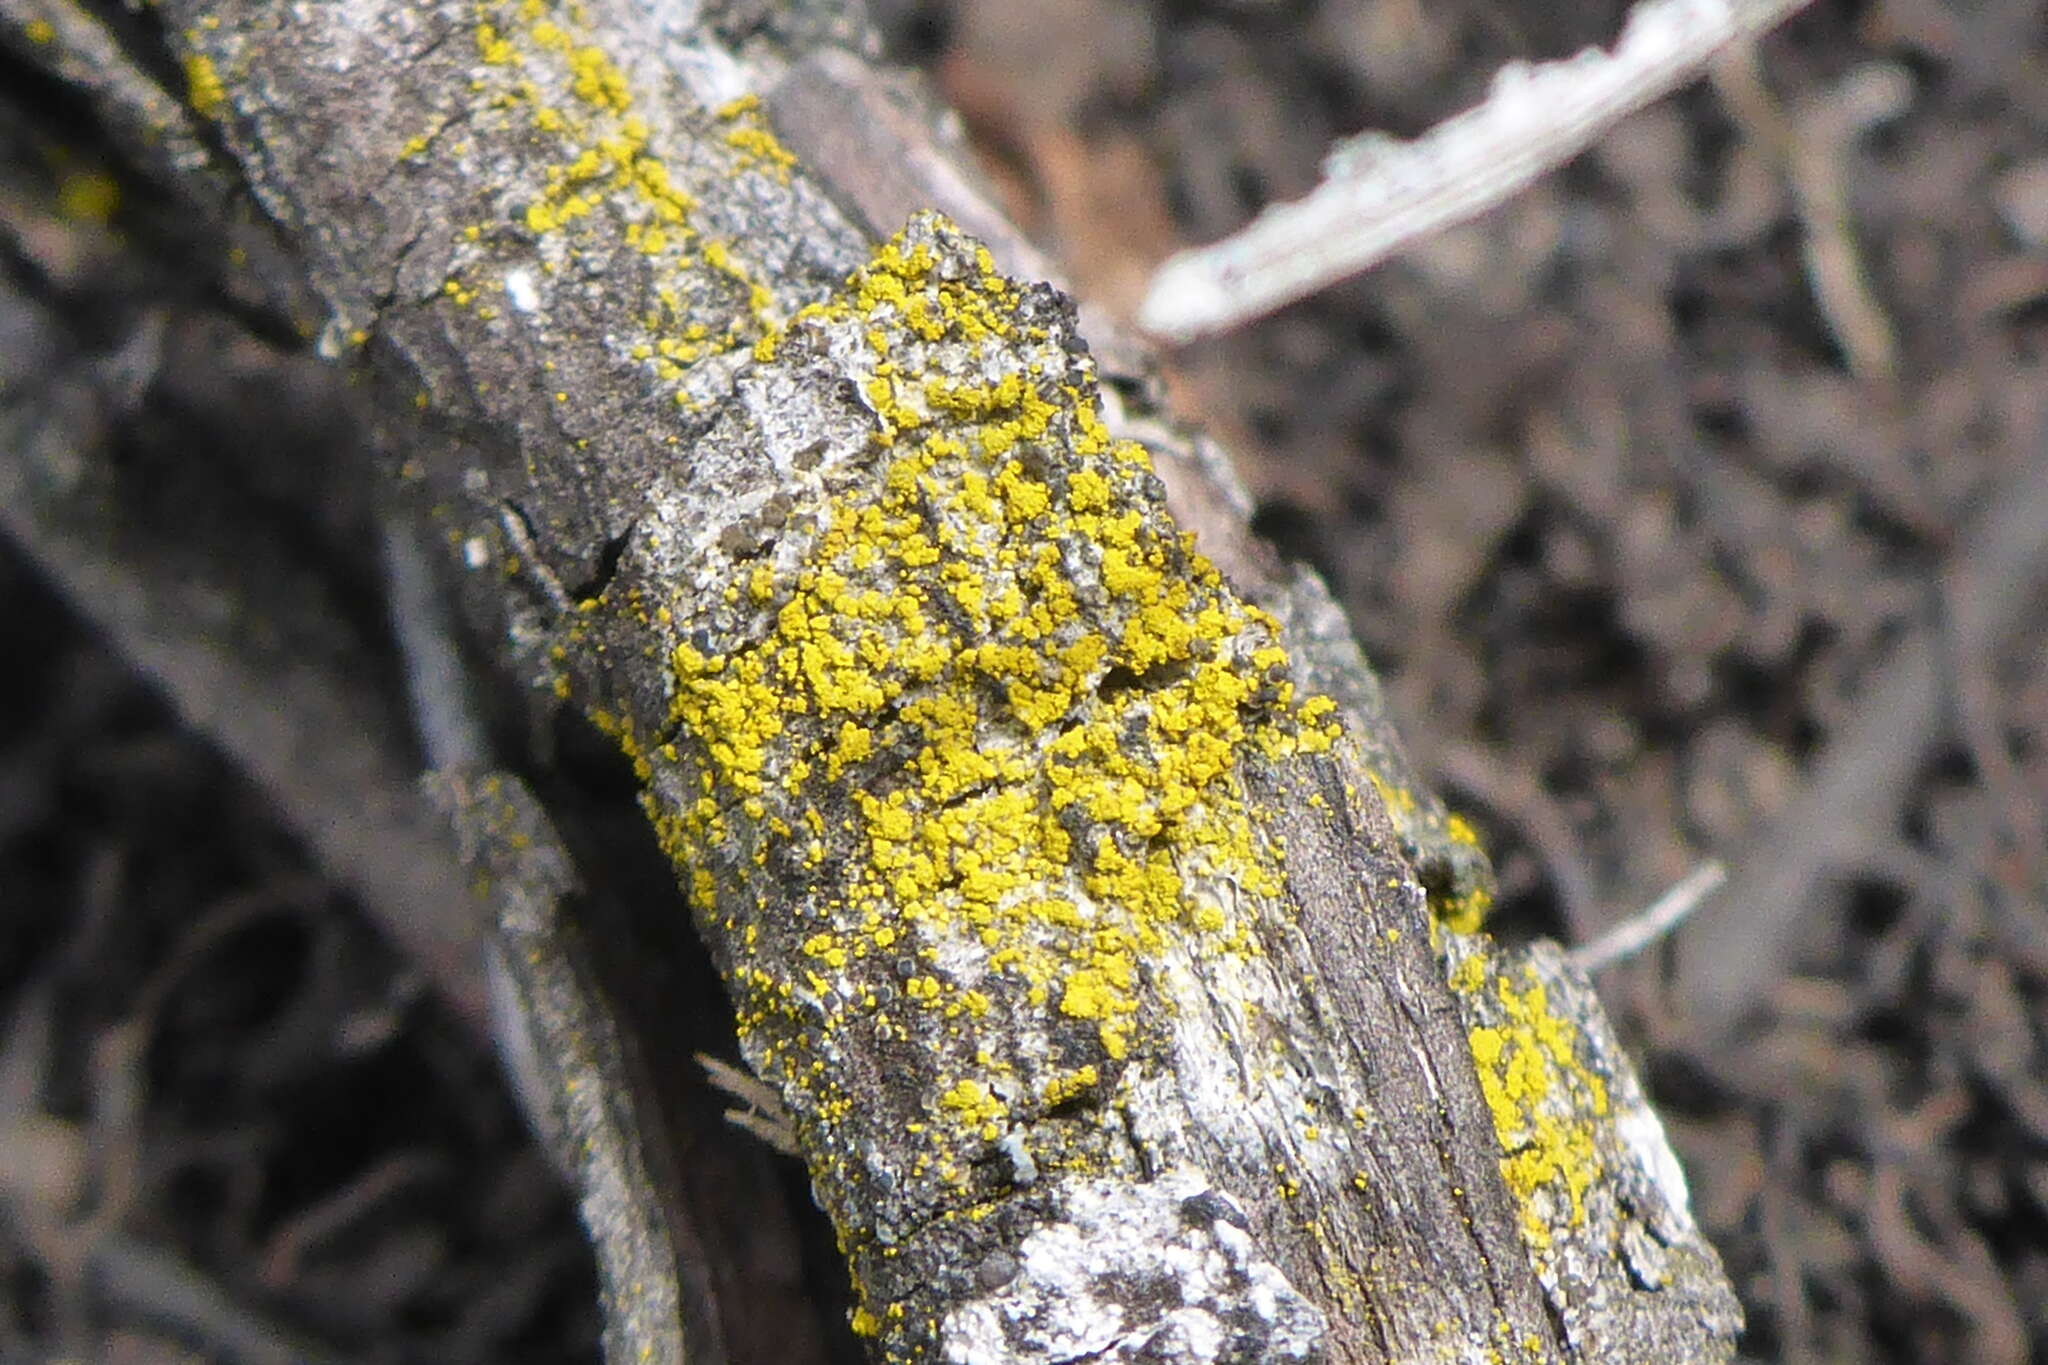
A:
[1067,1291]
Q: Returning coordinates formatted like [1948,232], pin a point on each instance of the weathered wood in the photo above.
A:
[1068,897]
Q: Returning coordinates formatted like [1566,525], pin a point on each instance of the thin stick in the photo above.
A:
[435,684]
[1814,144]
[1645,927]
[1380,193]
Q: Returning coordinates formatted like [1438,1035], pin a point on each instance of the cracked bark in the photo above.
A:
[1183,1071]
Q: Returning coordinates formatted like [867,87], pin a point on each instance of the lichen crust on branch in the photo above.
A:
[611,194]
[1547,1105]
[1071,928]
[1604,1208]
[954,737]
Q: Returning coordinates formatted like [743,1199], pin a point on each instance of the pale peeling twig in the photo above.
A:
[1646,926]
[1380,193]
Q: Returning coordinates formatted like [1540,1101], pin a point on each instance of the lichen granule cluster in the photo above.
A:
[983,710]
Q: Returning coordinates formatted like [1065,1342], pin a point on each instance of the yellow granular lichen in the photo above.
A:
[1458,901]
[999,704]
[1540,1095]
[88,197]
[203,88]
[1465,912]
[747,133]
[602,184]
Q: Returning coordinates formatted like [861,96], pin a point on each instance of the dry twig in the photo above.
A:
[1813,144]
[1381,194]
[1645,927]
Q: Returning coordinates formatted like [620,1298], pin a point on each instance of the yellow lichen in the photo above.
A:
[974,1105]
[88,197]
[999,708]
[1463,912]
[602,184]
[203,88]
[1540,1095]
[749,136]
[1060,1089]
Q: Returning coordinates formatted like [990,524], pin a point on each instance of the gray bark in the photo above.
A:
[1086,944]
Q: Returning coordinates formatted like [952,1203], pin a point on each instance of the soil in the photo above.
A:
[1638,490]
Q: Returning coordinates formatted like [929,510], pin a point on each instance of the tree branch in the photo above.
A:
[1068,895]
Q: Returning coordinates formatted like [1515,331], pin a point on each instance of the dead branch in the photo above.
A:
[1070,898]
[1380,194]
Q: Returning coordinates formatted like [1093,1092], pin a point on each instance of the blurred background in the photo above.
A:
[1691,505]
